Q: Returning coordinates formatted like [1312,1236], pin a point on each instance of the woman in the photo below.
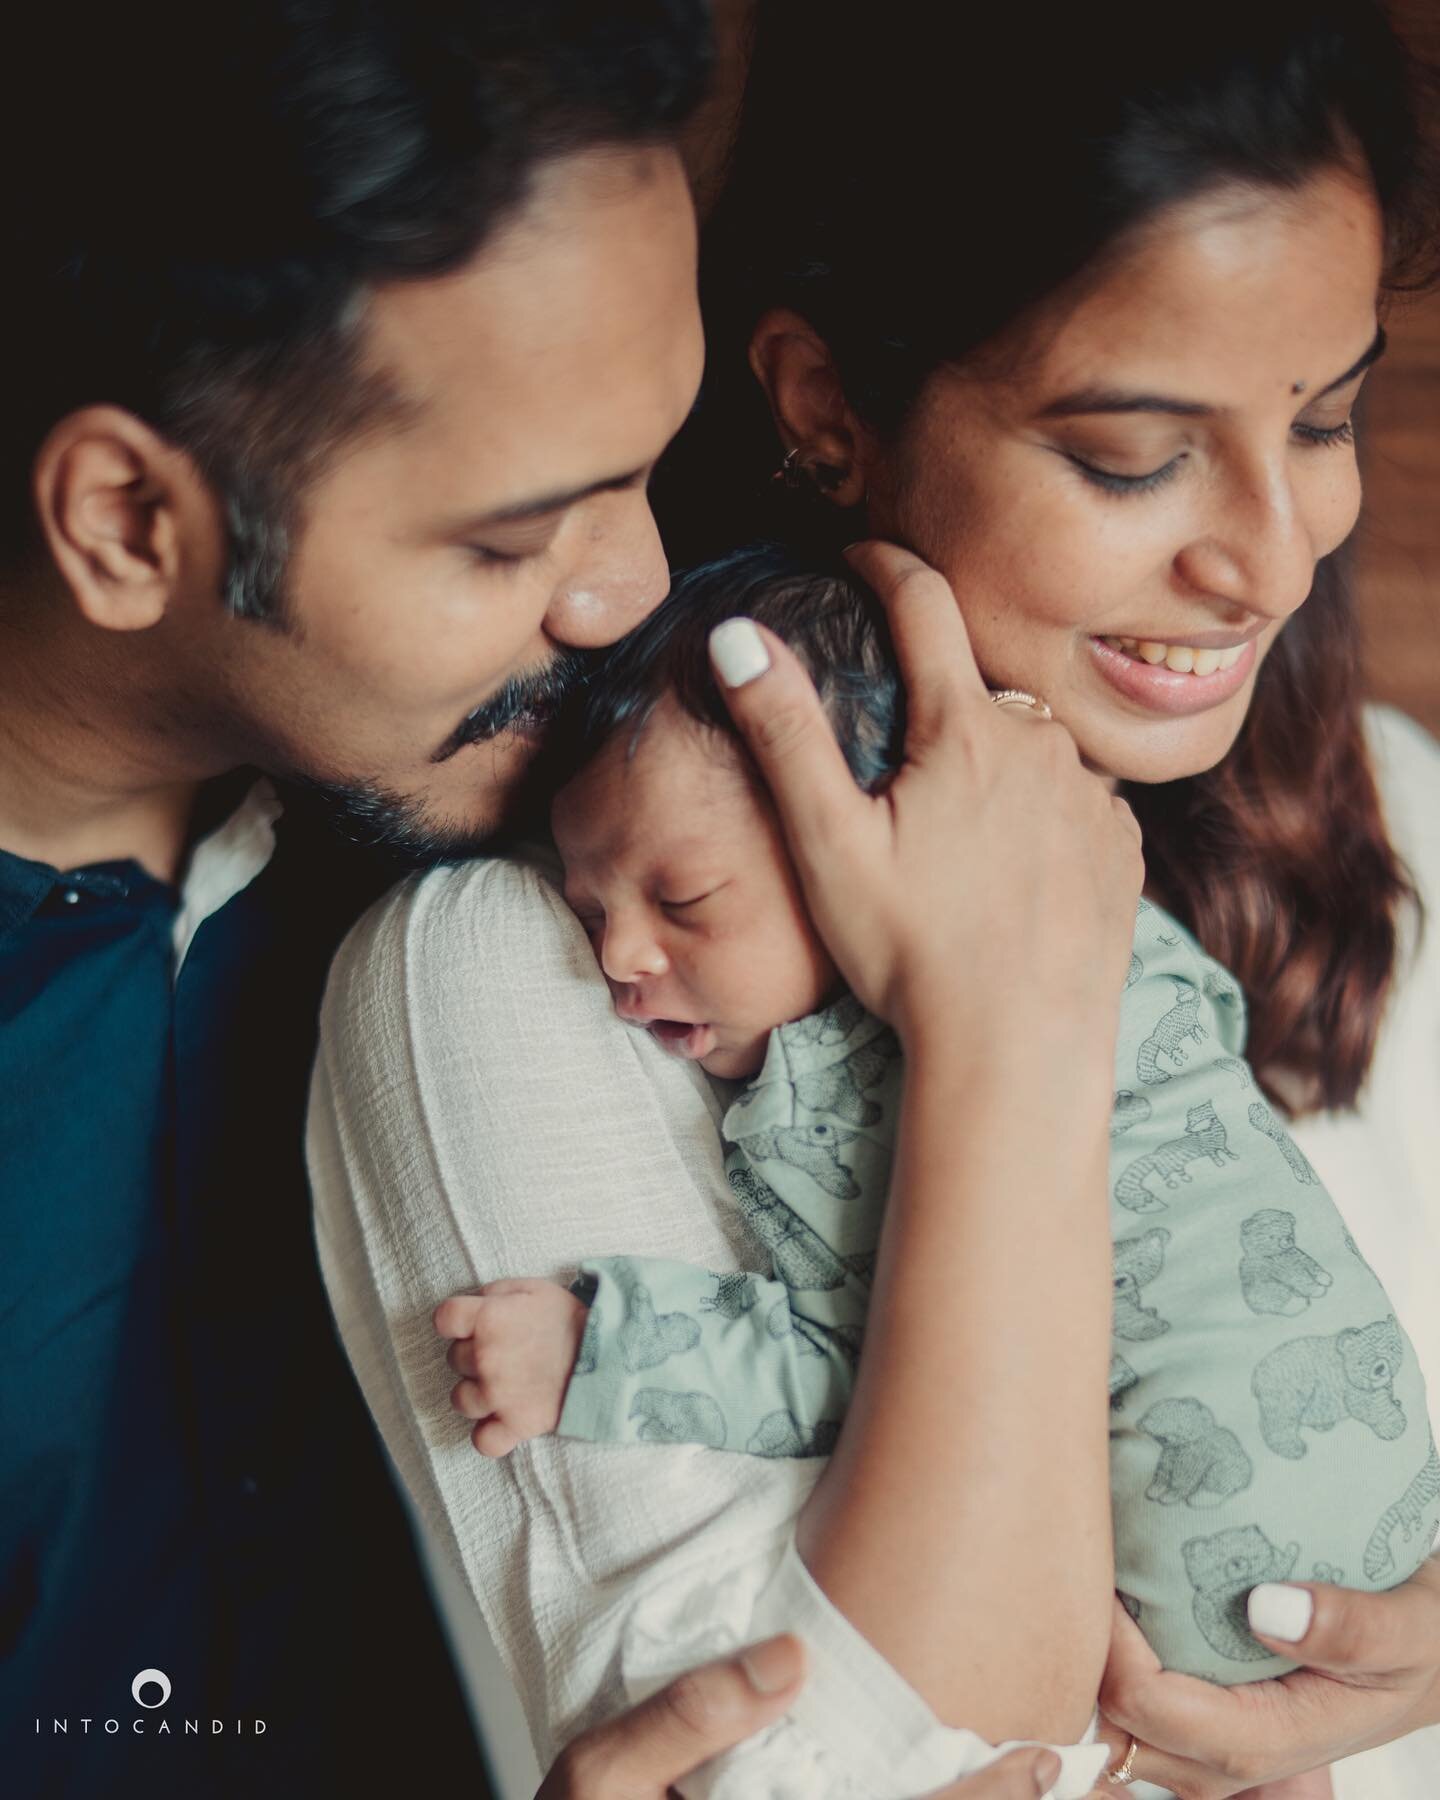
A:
[1064,517]
[1131,426]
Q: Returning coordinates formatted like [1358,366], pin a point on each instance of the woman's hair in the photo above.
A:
[914,180]
[832,622]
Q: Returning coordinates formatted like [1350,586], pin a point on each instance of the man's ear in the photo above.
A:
[127,516]
[793,364]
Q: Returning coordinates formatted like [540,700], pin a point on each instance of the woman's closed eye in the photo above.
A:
[1343,433]
[1111,481]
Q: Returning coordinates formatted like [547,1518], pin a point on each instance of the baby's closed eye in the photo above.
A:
[676,905]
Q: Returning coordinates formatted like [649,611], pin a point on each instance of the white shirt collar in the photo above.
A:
[225,861]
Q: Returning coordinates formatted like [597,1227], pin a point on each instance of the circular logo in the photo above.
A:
[150,1678]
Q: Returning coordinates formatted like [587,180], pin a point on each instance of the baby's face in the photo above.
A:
[675,865]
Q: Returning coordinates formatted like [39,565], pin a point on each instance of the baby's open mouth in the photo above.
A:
[683,1038]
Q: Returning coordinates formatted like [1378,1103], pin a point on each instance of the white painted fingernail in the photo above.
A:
[1279,1611]
[772,1665]
[738,652]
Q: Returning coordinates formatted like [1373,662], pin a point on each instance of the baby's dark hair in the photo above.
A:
[832,622]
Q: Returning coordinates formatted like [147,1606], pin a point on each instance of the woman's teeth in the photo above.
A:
[1179,657]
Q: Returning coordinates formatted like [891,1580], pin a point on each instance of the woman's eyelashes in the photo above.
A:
[1109,481]
[1343,433]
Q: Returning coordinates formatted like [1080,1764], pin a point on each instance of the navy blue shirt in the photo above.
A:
[189,1481]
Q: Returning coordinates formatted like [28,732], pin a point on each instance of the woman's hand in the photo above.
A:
[994,869]
[642,1753]
[1372,1674]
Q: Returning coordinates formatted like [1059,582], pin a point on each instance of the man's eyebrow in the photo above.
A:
[1113,400]
[541,504]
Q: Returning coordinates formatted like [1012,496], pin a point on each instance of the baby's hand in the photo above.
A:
[515,1344]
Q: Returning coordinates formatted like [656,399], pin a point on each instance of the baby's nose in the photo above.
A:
[628,955]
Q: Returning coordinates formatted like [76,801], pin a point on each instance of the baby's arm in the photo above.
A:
[675,1354]
[665,1353]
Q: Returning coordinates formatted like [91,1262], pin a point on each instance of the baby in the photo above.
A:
[1268,1414]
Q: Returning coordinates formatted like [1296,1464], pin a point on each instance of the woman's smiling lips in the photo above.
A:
[1172,691]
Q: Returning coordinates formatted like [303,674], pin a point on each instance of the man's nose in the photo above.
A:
[1261,552]
[619,579]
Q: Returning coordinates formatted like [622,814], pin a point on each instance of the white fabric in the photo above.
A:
[478,1111]
[1382,1163]
[224,862]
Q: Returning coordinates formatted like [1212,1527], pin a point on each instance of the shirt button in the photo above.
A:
[70,896]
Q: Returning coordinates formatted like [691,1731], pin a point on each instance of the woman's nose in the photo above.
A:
[629,951]
[1260,552]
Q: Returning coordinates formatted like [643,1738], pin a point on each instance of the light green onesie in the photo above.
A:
[1268,1413]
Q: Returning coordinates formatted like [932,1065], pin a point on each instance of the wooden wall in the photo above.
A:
[1397,577]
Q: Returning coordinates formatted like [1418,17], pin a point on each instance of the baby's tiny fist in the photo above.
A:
[455,1317]
[519,1355]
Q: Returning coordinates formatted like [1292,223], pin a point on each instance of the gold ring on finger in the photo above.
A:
[1125,1773]
[1018,697]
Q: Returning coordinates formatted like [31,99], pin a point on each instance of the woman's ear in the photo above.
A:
[792,362]
[120,508]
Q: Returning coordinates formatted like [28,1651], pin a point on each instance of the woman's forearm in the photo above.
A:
[963,1524]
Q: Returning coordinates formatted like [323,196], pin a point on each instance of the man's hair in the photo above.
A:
[832,622]
[201,209]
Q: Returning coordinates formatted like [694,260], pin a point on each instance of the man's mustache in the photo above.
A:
[530,700]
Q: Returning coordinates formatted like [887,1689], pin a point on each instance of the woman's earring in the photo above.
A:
[790,474]
[797,475]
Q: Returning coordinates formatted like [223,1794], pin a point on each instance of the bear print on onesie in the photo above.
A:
[1272,1423]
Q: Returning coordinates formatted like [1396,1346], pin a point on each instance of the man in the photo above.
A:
[345,349]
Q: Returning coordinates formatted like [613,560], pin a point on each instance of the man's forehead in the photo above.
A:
[595,267]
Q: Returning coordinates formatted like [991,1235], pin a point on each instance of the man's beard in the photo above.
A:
[372,815]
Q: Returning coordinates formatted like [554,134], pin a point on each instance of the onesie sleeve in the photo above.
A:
[675,1354]
[679,1355]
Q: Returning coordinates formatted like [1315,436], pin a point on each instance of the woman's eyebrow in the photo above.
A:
[1115,400]
[1372,355]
